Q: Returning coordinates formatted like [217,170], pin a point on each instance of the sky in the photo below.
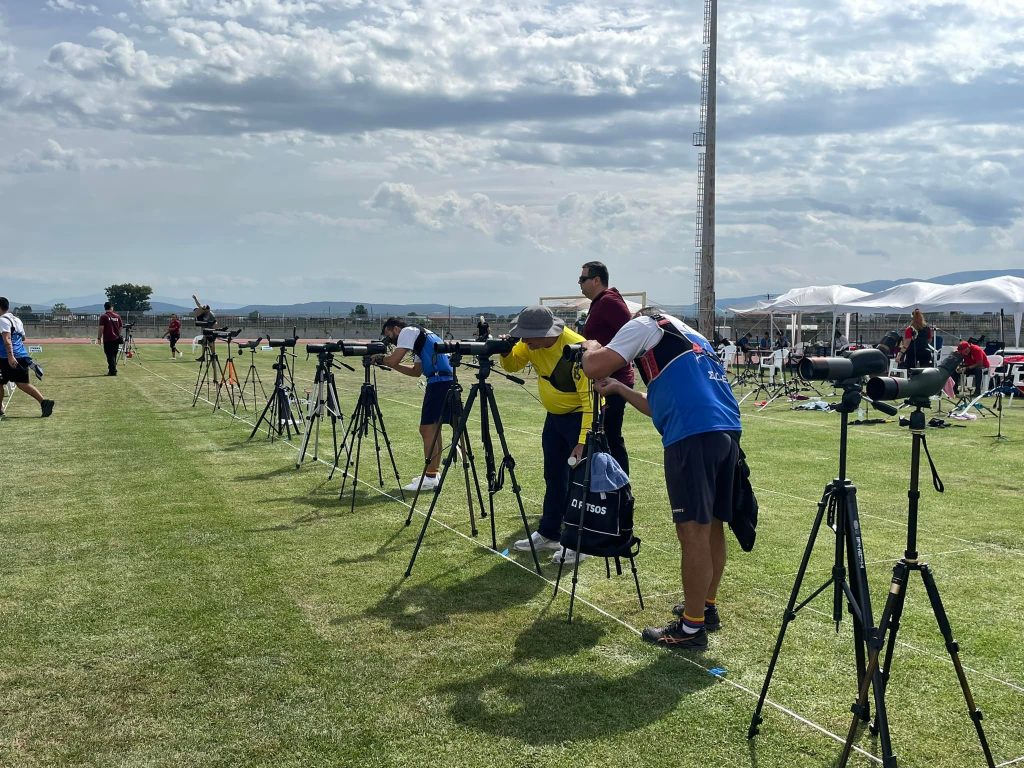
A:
[466,152]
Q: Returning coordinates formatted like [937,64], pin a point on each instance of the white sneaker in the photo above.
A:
[539,542]
[429,484]
[569,558]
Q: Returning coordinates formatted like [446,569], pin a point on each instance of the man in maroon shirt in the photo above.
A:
[109,335]
[975,362]
[608,313]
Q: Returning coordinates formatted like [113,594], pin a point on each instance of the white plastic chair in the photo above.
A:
[196,342]
[773,363]
[896,371]
[994,361]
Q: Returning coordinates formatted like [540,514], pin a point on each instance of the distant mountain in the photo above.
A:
[93,304]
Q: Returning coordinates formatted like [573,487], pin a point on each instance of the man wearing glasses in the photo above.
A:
[608,313]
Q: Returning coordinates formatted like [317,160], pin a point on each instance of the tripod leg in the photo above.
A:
[469,458]
[266,409]
[469,488]
[387,445]
[437,494]
[344,446]
[510,463]
[953,648]
[636,580]
[791,609]
[872,675]
[360,431]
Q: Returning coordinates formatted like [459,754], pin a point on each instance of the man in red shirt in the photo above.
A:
[109,335]
[608,313]
[975,362]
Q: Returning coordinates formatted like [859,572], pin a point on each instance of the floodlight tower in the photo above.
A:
[704,241]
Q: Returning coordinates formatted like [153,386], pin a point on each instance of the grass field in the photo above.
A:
[173,595]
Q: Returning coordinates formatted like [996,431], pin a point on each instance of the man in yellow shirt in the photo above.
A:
[566,398]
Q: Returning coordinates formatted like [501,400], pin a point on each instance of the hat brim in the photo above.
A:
[526,332]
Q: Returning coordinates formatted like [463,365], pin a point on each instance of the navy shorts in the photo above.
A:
[17,375]
[436,407]
[699,473]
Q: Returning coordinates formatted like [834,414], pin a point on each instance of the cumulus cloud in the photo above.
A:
[54,157]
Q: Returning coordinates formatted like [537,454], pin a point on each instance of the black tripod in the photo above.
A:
[889,622]
[252,375]
[597,442]
[849,577]
[495,473]
[127,350]
[278,412]
[323,399]
[209,366]
[367,416]
[453,407]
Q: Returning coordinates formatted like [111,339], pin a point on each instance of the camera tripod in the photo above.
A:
[279,412]
[229,379]
[848,580]
[453,407]
[209,365]
[889,622]
[367,416]
[323,398]
[597,442]
[128,348]
[483,390]
[252,375]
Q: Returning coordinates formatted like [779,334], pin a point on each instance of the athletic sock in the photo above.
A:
[710,603]
[691,626]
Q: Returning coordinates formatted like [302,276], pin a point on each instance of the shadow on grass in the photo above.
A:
[432,603]
[516,701]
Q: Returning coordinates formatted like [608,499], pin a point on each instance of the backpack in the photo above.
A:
[606,519]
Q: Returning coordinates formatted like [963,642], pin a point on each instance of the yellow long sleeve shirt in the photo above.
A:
[559,392]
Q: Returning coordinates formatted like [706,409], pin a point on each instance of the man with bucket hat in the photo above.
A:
[566,399]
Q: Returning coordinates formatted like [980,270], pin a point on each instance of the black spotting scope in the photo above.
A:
[329,347]
[922,382]
[254,344]
[863,362]
[476,348]
[362,350]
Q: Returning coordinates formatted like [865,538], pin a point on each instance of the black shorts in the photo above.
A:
[699,473]
[17,375]
[436,408]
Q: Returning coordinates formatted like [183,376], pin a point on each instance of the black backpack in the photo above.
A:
[606,519]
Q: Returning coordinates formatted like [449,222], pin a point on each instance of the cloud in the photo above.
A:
[983,208]
[288,220]
[70,5]
[54,157]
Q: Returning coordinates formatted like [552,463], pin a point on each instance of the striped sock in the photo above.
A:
[690,625]
[710,603]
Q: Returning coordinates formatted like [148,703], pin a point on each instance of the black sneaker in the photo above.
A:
[47,406]
[711,621]
[672,636]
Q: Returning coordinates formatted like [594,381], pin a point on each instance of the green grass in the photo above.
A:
[172,595]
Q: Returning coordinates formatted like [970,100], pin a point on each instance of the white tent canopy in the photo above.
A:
[813,298]
[995,294]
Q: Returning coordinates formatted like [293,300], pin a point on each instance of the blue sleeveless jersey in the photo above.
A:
[435,367]
[687,388]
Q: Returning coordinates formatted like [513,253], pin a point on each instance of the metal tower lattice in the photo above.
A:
[704,239]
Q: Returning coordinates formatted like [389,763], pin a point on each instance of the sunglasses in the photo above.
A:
[584,278]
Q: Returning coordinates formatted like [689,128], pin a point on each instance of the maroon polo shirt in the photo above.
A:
[111,324]
[608,313]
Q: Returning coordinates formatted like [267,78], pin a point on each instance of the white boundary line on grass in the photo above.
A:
[821,729]
[1011,762]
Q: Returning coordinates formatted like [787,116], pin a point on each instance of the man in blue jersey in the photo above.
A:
[15,360]
[689,398]
[436,410]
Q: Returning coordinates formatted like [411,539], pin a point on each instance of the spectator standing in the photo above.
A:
[608,313]
[109,335]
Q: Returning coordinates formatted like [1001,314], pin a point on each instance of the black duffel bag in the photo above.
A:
[606,519]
